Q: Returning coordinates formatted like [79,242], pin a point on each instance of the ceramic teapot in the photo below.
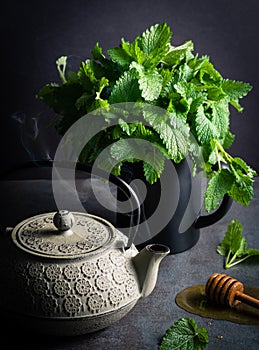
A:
[69,273]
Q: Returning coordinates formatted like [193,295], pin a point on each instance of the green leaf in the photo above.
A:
[233,245]
[209,75]
[150,173]
[242,189]
[125,126]
[154,43]
[184,334]
[220,116]
[132,50]
[172,130]
[98,55]
[127,150]
[235,89]
[177,53]
[205,128]
[126,89]
[86,75]
[151,69]
[233,241]
[228,139]
[150,82]
[153,165]
[220,183]
[120,56]
[241,194]
[215,93]
[241,164]
[157,36]
[130,150]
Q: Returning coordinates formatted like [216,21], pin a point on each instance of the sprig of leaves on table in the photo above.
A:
[184,334]
[234,245]
[150,70]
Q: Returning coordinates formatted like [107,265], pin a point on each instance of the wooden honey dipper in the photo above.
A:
[228,291]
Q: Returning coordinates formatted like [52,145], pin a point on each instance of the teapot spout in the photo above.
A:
[147,263]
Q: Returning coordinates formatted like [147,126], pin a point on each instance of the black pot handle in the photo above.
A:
[207,220]
[135,214]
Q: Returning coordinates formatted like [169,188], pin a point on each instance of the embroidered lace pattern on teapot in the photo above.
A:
[39,236]
[81,288]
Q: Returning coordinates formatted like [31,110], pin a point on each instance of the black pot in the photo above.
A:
[176,220]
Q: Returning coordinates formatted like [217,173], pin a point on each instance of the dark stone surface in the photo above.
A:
[143,327]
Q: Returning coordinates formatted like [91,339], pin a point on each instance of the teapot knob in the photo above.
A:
[63,220]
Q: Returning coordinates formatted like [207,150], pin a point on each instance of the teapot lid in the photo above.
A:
[64,234]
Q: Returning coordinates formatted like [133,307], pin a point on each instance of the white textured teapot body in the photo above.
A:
[71,280]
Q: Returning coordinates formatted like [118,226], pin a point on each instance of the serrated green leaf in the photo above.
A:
[170,77]
[120,56]
[233,240]
[205,128]
[98,55]
[167,76]
[126,89]
[86,75]
[208,75]
[189,99]
[125,126]
[154,43]
[153,165]
[212,154]
[235,89]
[131,150]
[156,36]
[172,130]
[177,53]
[186,72]
[241,194]
[215,93]
[242,189]
[238,162]
[186,90]
[169,90]
[233,245]
[150,82]
[228,139]
[133,50]
[220,116]
[184,334]
[150,173]
[197,62]
[220,184]
[127,150]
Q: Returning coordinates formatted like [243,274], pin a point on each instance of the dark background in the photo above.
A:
[35,34]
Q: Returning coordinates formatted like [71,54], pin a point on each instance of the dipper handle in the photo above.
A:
[247,299]
[226,290]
